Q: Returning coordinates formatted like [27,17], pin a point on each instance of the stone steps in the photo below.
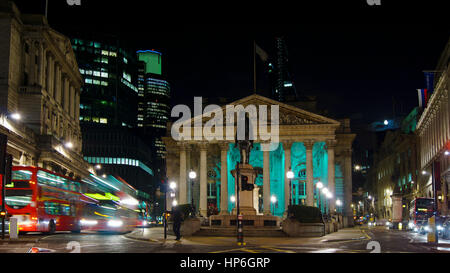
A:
[249,231]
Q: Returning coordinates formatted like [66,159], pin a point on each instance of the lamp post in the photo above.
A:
[192,176]
[319,187]
[325,191]
[173,186]
[273,199]
[328,195]
[290,176]
[233,199]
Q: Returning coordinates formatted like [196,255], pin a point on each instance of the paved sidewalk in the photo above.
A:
[157,235]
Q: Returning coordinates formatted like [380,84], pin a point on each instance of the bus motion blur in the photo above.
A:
[44,201]
[420,210]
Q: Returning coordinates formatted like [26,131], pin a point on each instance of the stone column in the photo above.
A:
[223,178]
[203,180]
[348,213]
[32,64]
[287,145]
[41,57]
[183,172]
[331,144]
[49,81]
[71,101]
[266,183]
[309,173]
[56,74]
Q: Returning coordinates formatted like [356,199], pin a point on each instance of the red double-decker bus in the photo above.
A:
[44,201]
[420,210]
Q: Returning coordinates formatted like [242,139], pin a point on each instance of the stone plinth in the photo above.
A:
[248,220]
[293,228]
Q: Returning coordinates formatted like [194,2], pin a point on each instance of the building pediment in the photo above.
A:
[288,114]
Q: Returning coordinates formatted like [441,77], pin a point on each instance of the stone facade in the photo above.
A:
[433,131]
[39,79]
[298,127]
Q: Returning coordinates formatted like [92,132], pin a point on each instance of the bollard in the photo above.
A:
[13,228]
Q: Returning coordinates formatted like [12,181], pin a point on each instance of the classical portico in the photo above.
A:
[314,147]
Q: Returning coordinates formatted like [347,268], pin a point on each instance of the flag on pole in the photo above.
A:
[262,54]
[422,93]
[429,80]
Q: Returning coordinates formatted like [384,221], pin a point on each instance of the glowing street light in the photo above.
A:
[233,199]
[192,175]
[16,116]
[173,185]
[447,153]
[290,175]
[69,145]
[319,185]
[273,199]
[386,122]
[338,203]
[98,167]
[174,203]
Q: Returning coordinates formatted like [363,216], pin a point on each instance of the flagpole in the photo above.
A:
[254,66]
[46,9]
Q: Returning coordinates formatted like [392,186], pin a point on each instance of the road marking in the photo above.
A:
[276,249]
[229,250]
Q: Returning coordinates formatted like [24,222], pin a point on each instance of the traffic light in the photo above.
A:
[245,185]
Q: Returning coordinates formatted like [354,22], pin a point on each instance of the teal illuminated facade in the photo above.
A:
[314,147]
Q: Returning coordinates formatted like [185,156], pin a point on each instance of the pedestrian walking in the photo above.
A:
[177,219]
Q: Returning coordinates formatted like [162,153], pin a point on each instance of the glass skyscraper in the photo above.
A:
[154,99]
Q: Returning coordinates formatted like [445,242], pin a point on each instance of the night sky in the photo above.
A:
[357,67]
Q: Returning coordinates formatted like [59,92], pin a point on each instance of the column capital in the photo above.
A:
[347,152]
[203,145]
[224,145]
[309,143]
[331,143]
[182,145]
[287,144]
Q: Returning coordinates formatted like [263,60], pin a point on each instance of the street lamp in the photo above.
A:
[233,199]
[319,186]
[290,176]
[173,185]
[174,203]
[325,192]
[273,199]
[192,176]
[98,167]
[69,145]
[16,116]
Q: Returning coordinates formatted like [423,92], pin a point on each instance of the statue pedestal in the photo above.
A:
[246,206]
